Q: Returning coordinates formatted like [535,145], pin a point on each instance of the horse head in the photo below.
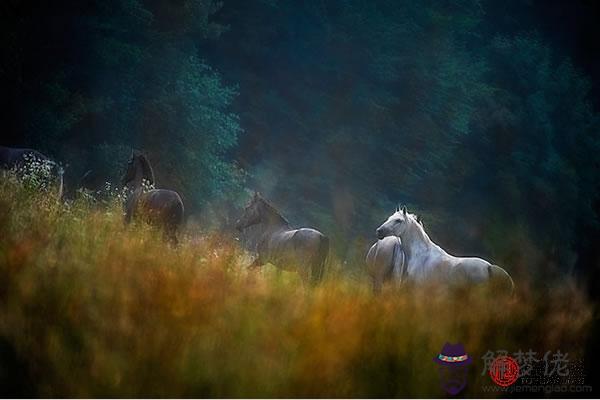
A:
[138,168]
[252,213]
[130,170]
[396,224]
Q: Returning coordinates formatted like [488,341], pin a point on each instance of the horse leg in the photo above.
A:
[171,219]
[129,208]
[317,267]
[257,263]
[377,284]
[305,276]
[171,236]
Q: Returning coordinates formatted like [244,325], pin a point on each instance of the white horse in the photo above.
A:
[386,262]
[427,261]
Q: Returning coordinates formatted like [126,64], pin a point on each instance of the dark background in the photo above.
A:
[482,116]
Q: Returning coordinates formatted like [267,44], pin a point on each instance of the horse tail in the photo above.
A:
[318,262]
[175,219]
[499,274]
[61,183]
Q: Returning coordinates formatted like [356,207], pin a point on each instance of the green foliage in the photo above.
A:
[187,127]
[137,80]
[552,137]
[354,106]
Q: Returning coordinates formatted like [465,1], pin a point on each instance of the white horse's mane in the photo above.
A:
[413,223]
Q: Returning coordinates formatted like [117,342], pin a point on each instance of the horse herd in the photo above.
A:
[403,252]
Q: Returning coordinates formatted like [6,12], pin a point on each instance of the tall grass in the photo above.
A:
[90,307]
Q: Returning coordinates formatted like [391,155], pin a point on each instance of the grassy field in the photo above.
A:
[89,307]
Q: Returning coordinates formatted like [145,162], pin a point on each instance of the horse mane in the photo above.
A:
[413,218]
[147,172]
[272,209]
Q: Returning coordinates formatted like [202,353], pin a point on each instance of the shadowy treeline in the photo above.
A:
[336,110]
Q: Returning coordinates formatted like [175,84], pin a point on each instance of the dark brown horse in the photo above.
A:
[159,207]
[11,158]
[302,250]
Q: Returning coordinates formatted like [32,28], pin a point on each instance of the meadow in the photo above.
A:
[90,307]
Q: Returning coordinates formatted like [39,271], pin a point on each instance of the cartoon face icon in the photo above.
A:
[453,364]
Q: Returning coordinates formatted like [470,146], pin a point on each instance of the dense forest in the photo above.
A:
[470,112]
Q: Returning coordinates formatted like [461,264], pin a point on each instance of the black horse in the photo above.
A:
[11,158]
[159,207]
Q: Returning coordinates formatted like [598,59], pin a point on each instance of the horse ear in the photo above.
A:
[404,209]
[397,208]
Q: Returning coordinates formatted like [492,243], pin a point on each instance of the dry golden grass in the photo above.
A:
[89,307]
